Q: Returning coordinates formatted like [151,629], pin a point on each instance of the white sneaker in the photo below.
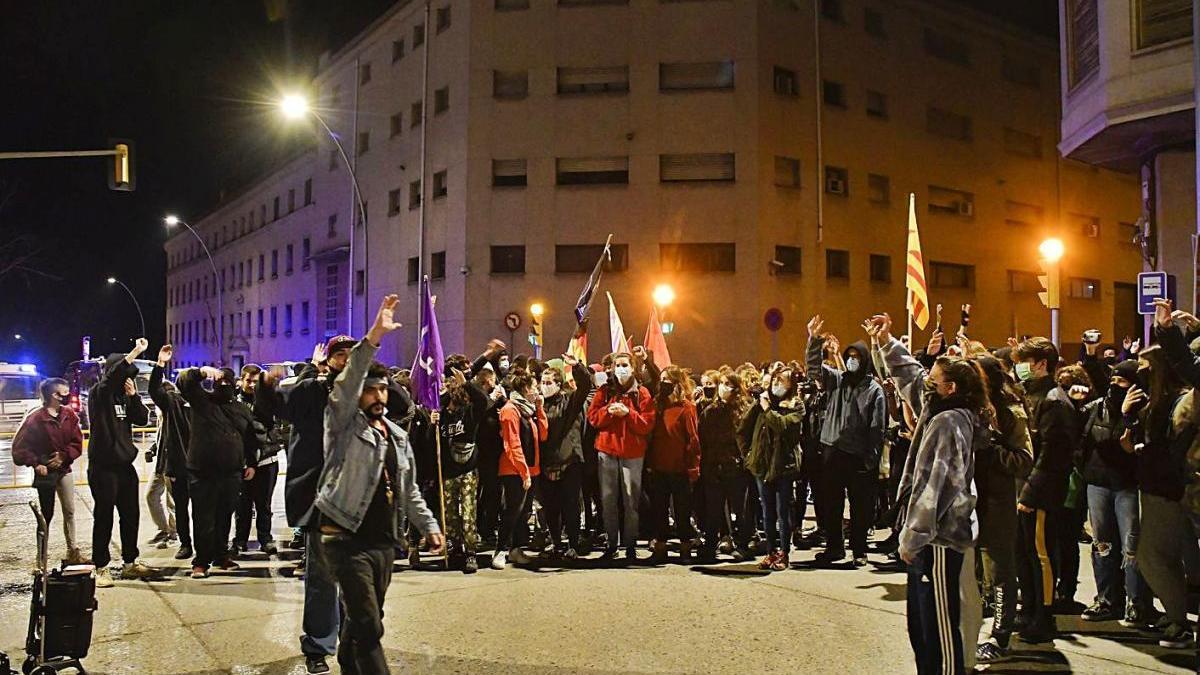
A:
[518,557]
[104,578]
[498,561]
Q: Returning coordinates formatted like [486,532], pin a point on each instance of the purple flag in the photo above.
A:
[427,369]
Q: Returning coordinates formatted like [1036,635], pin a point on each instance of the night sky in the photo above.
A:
[188,82]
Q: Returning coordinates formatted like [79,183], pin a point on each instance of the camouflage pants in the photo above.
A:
[459,520]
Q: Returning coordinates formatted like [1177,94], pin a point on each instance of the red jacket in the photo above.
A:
[675,445]
[43,435]
[622,437]
[516,460]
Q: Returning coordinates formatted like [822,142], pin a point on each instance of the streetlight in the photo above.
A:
[114,280]
[294,107]
[536,310]
[663,295]
[172,220]
[1051,251]
[17,336]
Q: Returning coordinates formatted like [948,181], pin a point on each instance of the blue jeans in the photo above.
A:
[322,611]
[776,498]
[1115,526]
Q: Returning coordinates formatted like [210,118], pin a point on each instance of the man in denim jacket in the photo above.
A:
[367,485]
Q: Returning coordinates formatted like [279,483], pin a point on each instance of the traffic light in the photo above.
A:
[120,176]
[1050,282]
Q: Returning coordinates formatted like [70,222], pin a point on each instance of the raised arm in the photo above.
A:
[343,398]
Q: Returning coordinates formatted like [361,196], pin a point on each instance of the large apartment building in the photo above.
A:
[752,154]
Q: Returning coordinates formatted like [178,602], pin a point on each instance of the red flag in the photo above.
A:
[656,342]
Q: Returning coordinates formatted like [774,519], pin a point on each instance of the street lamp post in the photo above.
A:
[536,310]
[295,107]
[663,296]
[114,280]
[1051,252]
[172,221]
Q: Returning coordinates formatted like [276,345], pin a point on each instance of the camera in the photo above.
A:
[1091,336]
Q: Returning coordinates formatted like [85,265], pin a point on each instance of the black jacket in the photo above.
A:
[303,405]
[1101,459]
[225,438]
[176,431]
[720,449]
[564,415]
[1054,432]
[113,415]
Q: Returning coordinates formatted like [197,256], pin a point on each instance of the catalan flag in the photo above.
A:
[917,301]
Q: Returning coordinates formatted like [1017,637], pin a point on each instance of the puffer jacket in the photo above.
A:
[771,436]
[1054,430]
[622,437]
[719,447]
[856,413]
[564,416]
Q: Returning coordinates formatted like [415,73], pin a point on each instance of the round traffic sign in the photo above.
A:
[773,319]
[512,320]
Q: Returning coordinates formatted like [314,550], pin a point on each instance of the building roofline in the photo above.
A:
[986,21]
[331,59]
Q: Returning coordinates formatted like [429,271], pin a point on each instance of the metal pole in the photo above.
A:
[1054,326]
[820,183]
[57,153]
[1196,140]
[220,292]
[362,214]
[136,304]
[421,171]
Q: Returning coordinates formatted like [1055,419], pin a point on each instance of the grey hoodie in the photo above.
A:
[856,412]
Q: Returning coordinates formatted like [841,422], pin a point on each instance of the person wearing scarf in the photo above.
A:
[523,427]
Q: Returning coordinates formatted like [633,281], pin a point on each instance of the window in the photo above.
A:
[275,264]
[696,167]
[305,253]
[414,194]
[873,22]
[785,82]
[1087,226]
[241,277]
[1023,282]
[441,100]
[837,264]
[786,261]
[397,50]
[1021,143]
[592,170]
[331,300]
[437,265]
[418,35]
[508,173]
[692,76]
[510,5]
[364,73]
[275,210]
[1083,40]
[414,270]
[305,324]
[951,201]
[287,320]
[439,184]
[291,200]
[364,142]
[416,114]
[881,268]
[261,266]
[837,181]
[947,48]
[721,257]
[443,18]
[508,260]
[1021,214]
[945,123]
[332,225]
[394,197]
[1020,71]
[832,10]
[952,275]
[308,191]
[395,125]
[274,320]
[581,258]
[1157,22]
[510,84]
[360,281]
[879,188]
[1083,289]
[250,272]
[787,172]
[287,266]
[833,93]
[262,215]
[601,80]
[260,322]
[877,104]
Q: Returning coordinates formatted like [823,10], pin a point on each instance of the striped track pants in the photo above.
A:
[934,611]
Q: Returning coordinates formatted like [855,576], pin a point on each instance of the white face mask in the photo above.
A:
[503,364]
[725,392]
[778,390]
[852,364]
[623,373]
[766,380]
[550,389]
[600,379]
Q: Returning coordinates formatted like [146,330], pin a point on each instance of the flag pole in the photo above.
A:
[442,492]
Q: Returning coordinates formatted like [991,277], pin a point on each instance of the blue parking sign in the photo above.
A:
[1151,286]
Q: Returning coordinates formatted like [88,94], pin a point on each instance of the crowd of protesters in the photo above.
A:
[972,469]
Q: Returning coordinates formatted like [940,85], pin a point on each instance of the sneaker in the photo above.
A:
[227,564]
[828,557]
[571,554]
[1044,632]
[237,548]
[631,555]
[297,544]
[740,554]
[138,570]
[159,538]
[199,572]
[269,548]
[659,555]
[1135,617]
[780,561]
[76,557]
[609,553]
[764,563]
[1099,611]
[990,652]
[470,565]
[184,552]
[499,560]
[860,560]
[414,556]
[1176,636]
[518,557]
[104,578]
[315,665]
[726,546]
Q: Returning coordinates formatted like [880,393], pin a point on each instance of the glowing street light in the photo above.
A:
[294,106]
[537,310]
[1051,249]
[171,220]
[663,295]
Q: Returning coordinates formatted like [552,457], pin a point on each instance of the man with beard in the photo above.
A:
[222,452]
[254,504]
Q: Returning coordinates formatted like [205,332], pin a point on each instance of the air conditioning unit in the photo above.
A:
[1091,230]
[966,208]
[835,186]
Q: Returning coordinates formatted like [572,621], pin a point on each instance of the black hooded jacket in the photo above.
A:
[856,409]
[176,425]
[113,415]
[303,405]
[225,437]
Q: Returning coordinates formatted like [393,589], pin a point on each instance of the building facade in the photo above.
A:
[754,155]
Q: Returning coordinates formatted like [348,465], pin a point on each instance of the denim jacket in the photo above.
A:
[354,455]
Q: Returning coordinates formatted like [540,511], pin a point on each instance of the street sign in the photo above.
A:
[512,320]
[668,327]
[1151,286]
[773,319]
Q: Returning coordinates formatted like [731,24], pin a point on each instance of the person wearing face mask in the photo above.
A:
[222,453]
[1054,431]
[114,409]
[593,529]
[673,462]
[254,503]
[624,416]
[1112,497]
[490,446]
[851,440]
[49,440]
[770,430]
[1098,360]
[722,470]
[523,427]
[561,480]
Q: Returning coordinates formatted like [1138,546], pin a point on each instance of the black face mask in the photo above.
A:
[1110,360]
[1115,397]
[224,391]
[710,391]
